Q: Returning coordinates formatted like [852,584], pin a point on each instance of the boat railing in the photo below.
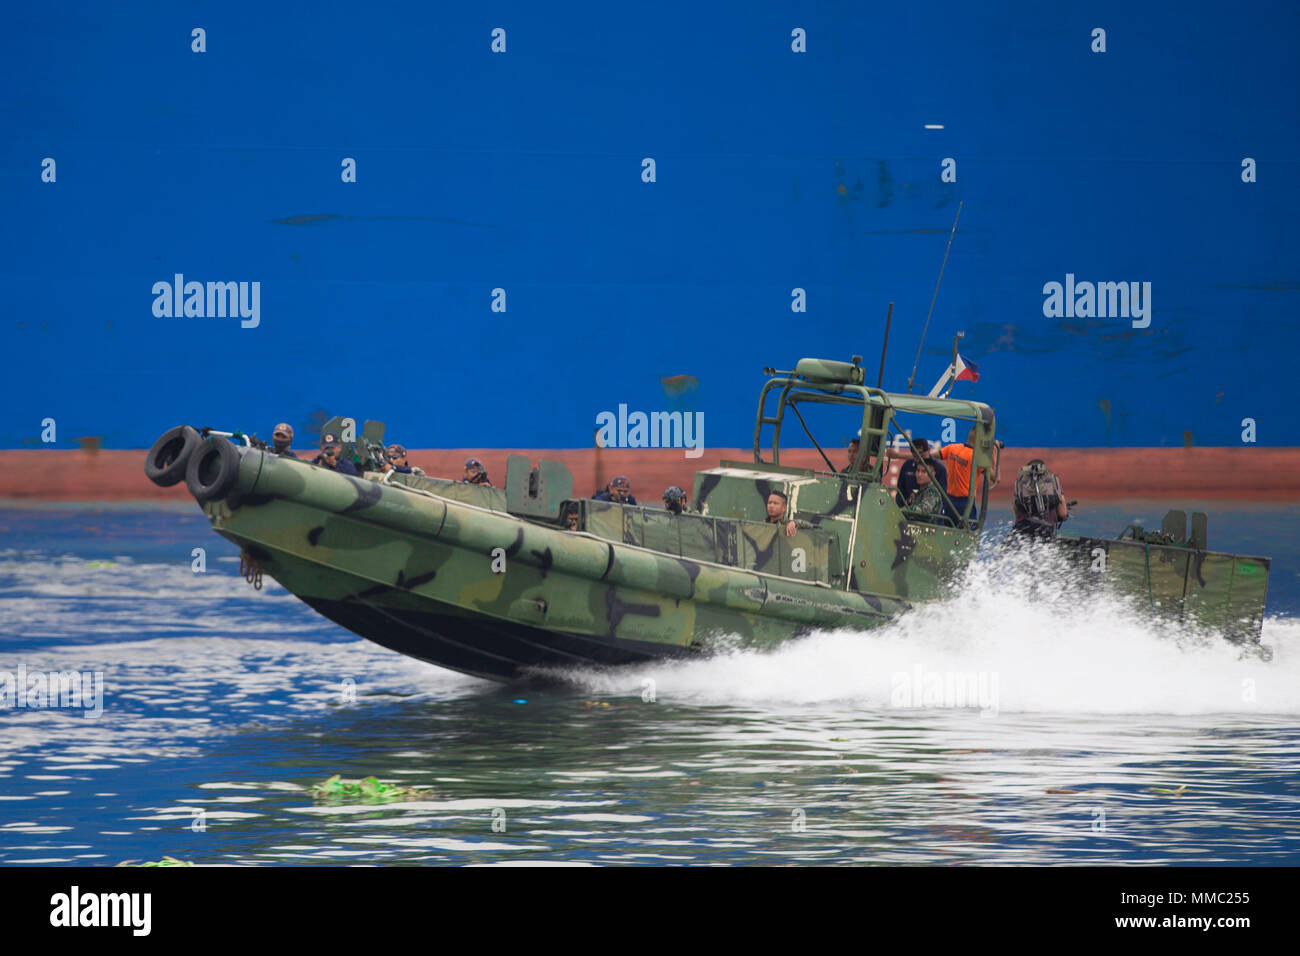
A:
[235,436]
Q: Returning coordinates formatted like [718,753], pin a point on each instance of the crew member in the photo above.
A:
[619,491]
[676,500]
[397,461]
[282,439]
[854,445]
[911,474]
[475,473]
[331,457]
[960,487]
[777,503]
[1037,502]
[925,499]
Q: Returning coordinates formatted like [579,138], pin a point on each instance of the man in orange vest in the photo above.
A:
[960,489]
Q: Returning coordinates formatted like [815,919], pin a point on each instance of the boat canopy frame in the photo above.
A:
[837,383]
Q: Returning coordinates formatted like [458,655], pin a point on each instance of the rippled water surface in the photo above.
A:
[1087,735]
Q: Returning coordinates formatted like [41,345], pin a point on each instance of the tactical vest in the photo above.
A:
[1037,492]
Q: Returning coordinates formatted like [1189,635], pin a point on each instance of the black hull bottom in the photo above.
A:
[496,650]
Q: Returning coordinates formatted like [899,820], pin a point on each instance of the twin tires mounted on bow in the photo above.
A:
[208,466]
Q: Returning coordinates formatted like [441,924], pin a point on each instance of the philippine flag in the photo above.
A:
[967,371]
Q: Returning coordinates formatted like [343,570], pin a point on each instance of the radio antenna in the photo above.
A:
[880,379]
[912,379]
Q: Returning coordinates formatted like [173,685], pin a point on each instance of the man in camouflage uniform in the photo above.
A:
[777,502]
[912,478]
[854,444]
[925,498]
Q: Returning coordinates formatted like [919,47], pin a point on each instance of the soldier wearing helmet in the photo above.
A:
[676,500]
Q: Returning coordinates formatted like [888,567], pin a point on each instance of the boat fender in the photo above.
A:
[170,455]
[212,470]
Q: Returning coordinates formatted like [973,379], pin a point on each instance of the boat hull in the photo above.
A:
[487,593]
[446,635]
[450,573]
[1221,592]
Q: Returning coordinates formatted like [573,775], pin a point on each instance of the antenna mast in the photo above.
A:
[880,379]
[912,379]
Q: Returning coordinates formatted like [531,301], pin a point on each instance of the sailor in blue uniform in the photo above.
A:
[618,491]
[331,456]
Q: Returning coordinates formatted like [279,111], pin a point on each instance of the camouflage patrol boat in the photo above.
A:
[492,583]
[1173,574]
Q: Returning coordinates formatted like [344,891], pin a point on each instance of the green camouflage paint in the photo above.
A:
[488,581]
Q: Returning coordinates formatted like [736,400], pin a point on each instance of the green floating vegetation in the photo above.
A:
[369,790]
[165,861]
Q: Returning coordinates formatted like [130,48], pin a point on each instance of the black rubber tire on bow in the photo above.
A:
[170,455]
[212,470]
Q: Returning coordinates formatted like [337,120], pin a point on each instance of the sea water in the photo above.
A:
[1010,723]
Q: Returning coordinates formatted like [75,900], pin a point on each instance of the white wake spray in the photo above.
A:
[1013,630]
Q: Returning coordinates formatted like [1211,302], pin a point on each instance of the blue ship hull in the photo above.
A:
[522,171]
